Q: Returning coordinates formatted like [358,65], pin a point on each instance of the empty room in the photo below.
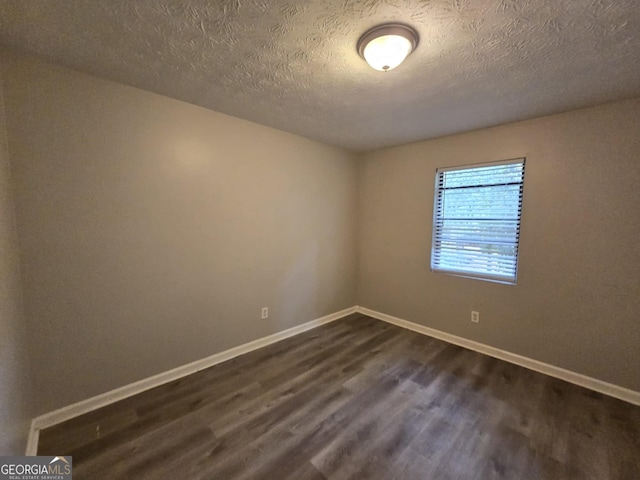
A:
[351,239]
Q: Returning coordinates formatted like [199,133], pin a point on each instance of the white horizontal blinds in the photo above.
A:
[477,220]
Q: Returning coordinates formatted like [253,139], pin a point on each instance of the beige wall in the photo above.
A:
[153,231]
[577,301]
[15,400]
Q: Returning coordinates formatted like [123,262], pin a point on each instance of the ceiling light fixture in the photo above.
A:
[386,46]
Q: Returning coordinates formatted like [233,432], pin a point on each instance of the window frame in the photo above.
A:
[438,191]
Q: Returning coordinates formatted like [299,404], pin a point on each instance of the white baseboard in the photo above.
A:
[594,384]
[32,440]
[99,401]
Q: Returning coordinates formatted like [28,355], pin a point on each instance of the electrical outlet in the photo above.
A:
[475,317]
[265,312]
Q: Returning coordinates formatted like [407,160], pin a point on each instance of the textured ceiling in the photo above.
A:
[293,65]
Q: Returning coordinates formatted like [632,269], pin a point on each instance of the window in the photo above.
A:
[476,220]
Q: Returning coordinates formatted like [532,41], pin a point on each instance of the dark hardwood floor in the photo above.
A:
[357,399]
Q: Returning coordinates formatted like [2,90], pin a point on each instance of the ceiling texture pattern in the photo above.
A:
[293,65]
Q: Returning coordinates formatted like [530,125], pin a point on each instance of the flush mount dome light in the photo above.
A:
[386,46]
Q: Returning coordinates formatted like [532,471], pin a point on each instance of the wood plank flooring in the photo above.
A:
[357,399]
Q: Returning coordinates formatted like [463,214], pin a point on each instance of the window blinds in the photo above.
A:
[476,220]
